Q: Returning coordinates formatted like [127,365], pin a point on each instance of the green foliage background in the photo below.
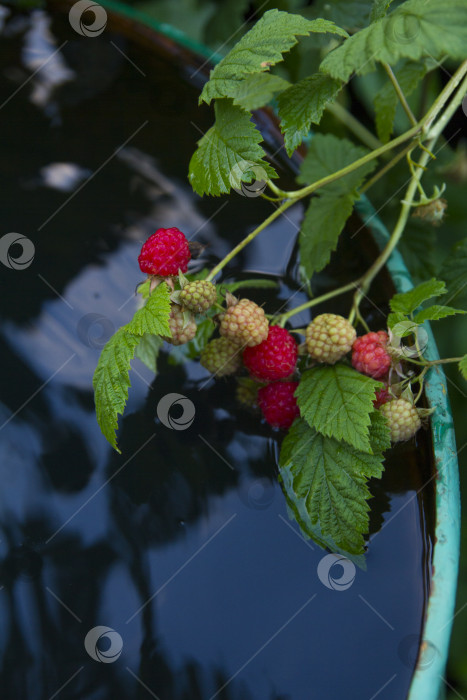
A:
[220,24]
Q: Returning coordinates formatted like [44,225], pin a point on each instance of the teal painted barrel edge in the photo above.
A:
[427,680]
[427,683]
[167,30]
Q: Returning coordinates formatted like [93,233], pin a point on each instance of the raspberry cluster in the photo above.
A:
[269,353]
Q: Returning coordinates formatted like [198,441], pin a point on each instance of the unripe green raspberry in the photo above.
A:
[198,296]
[244,323]
[402,418]
[182,326]
[329,337]
[247,392]
[221,357]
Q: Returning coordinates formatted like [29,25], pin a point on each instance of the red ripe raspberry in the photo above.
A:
[274,358]
[370,355]
[165,253]
[278,403]
[382,396]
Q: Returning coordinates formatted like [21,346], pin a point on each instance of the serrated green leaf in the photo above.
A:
[386,100]
[418,248]
[303,104]
[258,89]
[463,366]
[325,155]
[395,318]
[436,312]
[111,381]
[329,479]
[326,216]
[148,350]
[144,288]
[320,230]
[263,46]
[379,9]
[416,29]
[153,318]
[454,272]
[380,433]
[337,401]
[346,13]
[408,302]
[228,153]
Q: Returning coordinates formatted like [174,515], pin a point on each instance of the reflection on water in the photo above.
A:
[183,544]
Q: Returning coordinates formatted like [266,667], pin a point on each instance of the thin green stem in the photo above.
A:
[275,214]
[283,318]
[400,94]
[443,97]
[356,127]
[309,189]
[408,200]
[369,183]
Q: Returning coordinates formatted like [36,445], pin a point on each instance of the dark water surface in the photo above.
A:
[182,545]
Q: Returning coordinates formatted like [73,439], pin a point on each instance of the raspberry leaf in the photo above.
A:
[463,366]
[408,302]
[326,215]
[148,349]
[322,225]
[229,153]
[111,381]
[153,318]
[337,401]
[379,9]
[347,13]
[326,482]
[303,104]
[454,271]
[386,100]
[259,89]
[435,312]
[263,46]
[416,29]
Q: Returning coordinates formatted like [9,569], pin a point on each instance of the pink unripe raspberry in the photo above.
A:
[278,403]
[329,337]
[165,253]
[370,355]
[274,358]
